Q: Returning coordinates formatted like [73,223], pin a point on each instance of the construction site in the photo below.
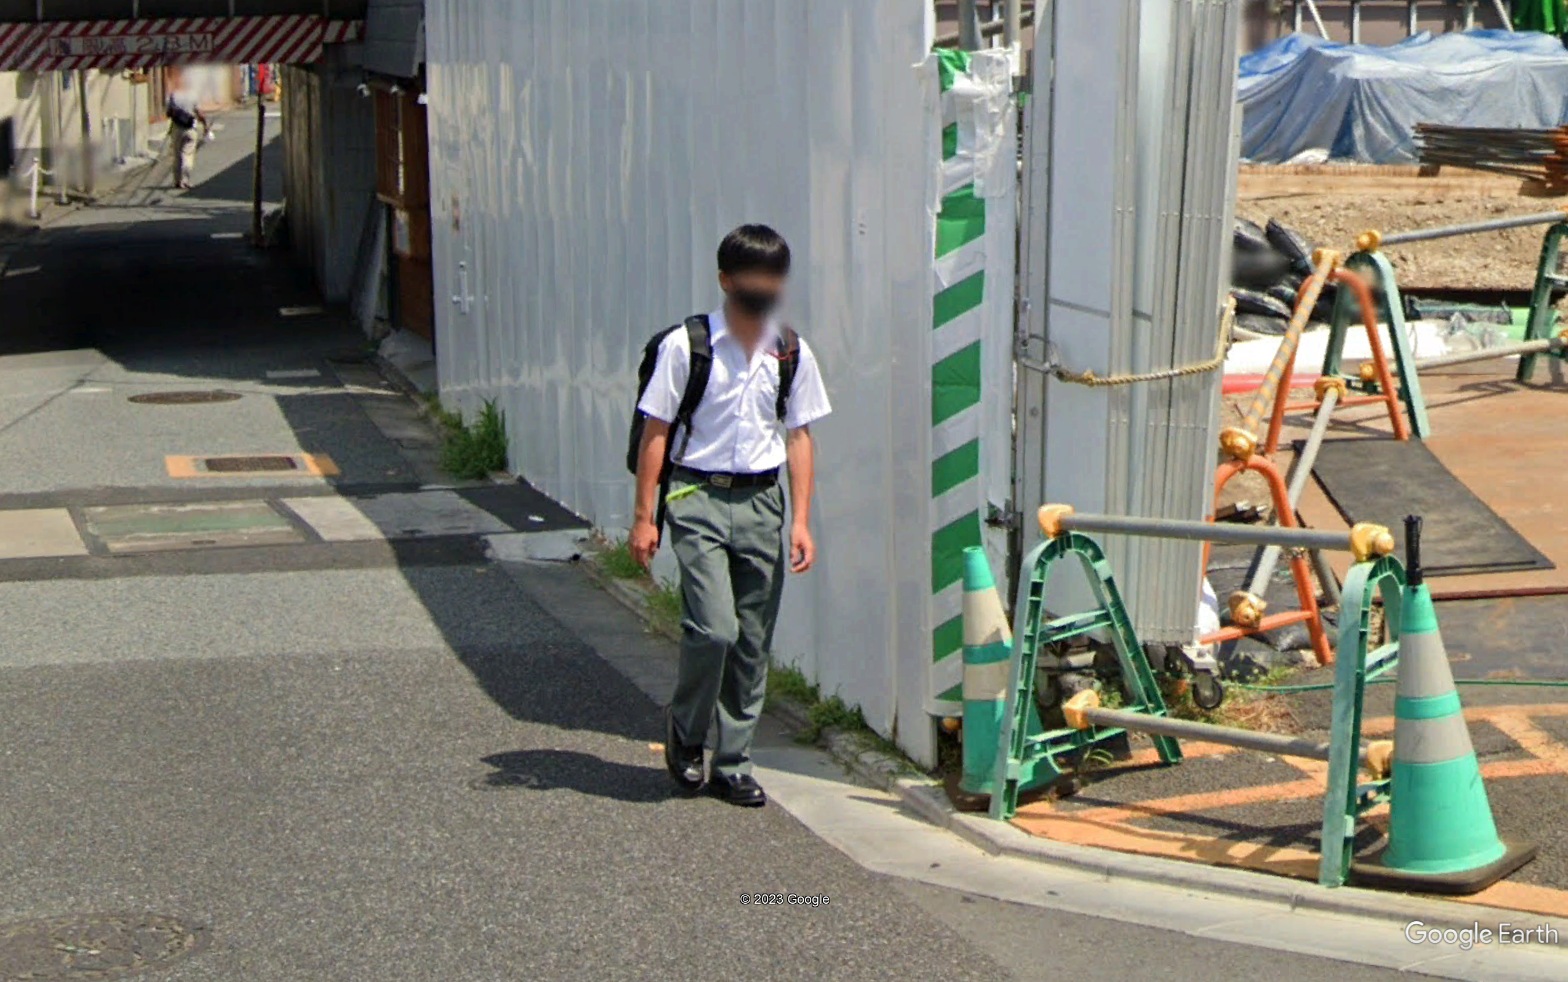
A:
[1390,370]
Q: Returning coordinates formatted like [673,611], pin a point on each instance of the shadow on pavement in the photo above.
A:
[544,770]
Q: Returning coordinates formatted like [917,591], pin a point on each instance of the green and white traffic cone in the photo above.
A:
[1441,836]
[988,652]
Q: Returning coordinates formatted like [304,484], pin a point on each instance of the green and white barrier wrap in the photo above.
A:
[971,350]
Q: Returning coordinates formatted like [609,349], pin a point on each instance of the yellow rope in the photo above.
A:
[1089,378]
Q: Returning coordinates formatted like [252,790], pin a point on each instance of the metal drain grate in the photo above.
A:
[185,398]
[95,946]
[235,465]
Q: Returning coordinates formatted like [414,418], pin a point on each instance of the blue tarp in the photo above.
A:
[1361,102]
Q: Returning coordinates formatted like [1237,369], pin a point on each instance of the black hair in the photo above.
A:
[754,247]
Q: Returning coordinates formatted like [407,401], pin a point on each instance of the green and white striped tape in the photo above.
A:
[957,369]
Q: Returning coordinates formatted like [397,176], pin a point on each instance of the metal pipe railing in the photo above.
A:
[988,29]
[1368,241]
[1501,351]
[1240,441]
[1364,540]
[1301,472]
[1084,710]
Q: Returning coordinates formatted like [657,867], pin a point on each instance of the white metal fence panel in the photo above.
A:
[587,156]
[1130,154]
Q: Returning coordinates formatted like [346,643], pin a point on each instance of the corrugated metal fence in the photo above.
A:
[587,156]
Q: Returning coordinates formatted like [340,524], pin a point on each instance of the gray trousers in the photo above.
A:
[185,140]
[729,543]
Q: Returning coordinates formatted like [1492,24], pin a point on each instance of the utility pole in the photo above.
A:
[87,131]
[255,171]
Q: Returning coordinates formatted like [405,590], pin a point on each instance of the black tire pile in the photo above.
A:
[1268,265]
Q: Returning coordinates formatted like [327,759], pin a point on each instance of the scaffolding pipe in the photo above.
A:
[1083,711]
[1239,442]
[1301,471]
[1501,351]
[1317,19]
[1502,15]
[1467,228]
[1364,540]
[969,37]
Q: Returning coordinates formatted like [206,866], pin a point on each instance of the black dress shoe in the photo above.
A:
[684,763]
[738,789]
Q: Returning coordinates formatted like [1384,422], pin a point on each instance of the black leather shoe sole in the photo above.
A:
[681,771]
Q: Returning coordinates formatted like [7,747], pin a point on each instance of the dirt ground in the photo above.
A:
[1331,205]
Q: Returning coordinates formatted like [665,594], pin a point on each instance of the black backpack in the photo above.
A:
[699,333]
[180,116]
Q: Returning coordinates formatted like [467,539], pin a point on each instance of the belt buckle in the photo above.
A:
[721,480]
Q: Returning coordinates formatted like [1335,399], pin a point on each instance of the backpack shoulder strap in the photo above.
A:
[699,335]
[789,364]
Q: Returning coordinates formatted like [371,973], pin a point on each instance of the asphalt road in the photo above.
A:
[402,769]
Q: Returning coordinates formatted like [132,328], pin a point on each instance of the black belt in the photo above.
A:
[719,479]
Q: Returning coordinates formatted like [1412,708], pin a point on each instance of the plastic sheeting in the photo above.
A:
[1363,103]
[586,158]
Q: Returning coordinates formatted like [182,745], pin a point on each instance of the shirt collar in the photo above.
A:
[719,328]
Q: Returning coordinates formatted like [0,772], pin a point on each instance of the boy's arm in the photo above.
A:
[801,453]
[644,538]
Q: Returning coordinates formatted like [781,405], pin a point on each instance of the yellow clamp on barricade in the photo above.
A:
[1321,255]
[1369,241]
[1380,758]
[1368,541]
[1072,709]
[1246,609]
[1050,518]
[1321,387]
[1238,442]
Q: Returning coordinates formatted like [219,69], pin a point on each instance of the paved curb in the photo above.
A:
[927,799]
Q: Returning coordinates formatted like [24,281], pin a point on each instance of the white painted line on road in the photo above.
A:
[89,390]
[22,271]
[334,519]
[228,235]
[559,547]
[37,533]
[398,515]
[294,373]
[300,311]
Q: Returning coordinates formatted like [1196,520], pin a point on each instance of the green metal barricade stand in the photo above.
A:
[1026,757]
[1542,314]
[1347,798]
[1392,313]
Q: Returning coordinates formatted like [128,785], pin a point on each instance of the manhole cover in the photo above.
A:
[94,946]
[229,465]
[187,398]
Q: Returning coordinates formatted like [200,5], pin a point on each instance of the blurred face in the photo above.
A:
[753,292]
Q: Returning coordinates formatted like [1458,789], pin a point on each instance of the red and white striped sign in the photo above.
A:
[292,39]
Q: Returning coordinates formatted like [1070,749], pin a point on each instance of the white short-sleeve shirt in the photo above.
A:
[735,428]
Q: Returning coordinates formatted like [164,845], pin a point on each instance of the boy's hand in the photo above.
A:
[802,550]
[643,542]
